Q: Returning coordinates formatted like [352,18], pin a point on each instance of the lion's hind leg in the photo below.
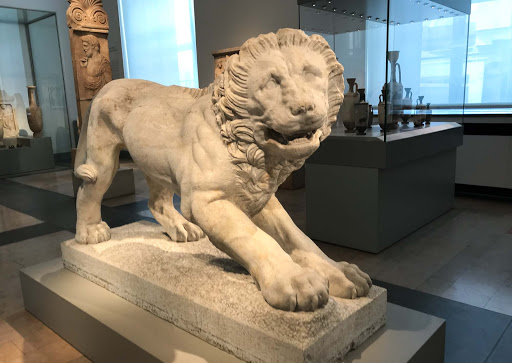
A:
[98,172]
[161,206]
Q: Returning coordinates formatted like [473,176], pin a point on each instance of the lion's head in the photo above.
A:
[287,87]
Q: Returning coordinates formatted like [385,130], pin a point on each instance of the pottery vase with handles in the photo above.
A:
[420,112]
[34,114]
[385,112]
[406,107]
[351,98]
[428,116]
[394,86]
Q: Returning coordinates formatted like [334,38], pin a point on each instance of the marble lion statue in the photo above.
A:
[225,150]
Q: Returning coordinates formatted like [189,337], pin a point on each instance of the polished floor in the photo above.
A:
[459,267]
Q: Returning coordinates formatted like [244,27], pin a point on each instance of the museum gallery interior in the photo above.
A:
[256,181]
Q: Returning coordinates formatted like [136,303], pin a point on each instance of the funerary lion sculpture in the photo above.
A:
[225,149]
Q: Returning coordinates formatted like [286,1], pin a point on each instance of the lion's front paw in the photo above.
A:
[360,279]
[93,233]
[296,289]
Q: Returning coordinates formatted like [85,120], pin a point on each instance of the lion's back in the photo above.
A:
[135,98]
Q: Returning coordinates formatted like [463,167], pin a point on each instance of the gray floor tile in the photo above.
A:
[501,301]
[502,353]
[11,219]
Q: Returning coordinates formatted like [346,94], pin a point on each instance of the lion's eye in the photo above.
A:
[272,83]
[310,73]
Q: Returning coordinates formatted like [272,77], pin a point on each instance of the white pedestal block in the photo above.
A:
[204,292]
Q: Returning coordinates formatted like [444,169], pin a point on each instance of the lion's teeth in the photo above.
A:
[299,140]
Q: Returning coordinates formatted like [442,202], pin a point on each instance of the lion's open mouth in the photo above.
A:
[296,138]
[291,147]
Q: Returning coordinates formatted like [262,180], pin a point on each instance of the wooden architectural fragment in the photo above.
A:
[88,31]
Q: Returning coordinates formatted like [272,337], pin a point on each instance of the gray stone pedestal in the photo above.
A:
[204,292]
[107,328]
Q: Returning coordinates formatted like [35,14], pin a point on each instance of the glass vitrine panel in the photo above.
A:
[405,58]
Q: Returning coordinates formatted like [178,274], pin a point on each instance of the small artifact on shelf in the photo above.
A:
[361,117]
[420,114]
[395,87]
[428,116]
[349,126]
[362,94]
[369,120]
[406,107]
[385,111]
[1,130]
[34,114]
[10,128]
[347,108]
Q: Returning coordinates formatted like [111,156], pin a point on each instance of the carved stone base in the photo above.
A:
[201,290]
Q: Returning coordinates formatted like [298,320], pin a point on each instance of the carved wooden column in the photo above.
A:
[88,31]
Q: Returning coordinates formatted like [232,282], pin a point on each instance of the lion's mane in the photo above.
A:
[230,95]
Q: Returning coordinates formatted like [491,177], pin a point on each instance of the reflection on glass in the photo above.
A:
[408,56]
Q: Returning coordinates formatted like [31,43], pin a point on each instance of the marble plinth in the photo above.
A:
[201,290]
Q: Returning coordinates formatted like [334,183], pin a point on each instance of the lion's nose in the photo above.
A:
[302,107]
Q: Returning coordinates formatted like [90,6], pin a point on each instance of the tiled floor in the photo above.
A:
[11,219]
[458,267]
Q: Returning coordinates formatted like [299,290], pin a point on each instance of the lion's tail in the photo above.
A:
[82,170]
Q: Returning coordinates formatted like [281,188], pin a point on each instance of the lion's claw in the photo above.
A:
[360,279]
[93,233]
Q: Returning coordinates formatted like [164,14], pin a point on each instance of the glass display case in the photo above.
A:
[404,60]
[33,110]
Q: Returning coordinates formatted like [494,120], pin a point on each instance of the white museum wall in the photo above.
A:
[228,23]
